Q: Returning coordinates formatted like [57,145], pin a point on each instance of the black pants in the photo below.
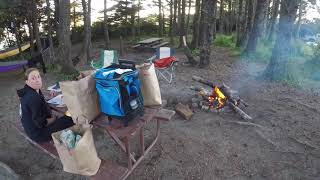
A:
[58,125]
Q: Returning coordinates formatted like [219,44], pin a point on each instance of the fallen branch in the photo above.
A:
[266,138]
[305,143]
[289,152]
[246,124]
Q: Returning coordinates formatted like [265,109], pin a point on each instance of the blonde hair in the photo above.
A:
[28,71]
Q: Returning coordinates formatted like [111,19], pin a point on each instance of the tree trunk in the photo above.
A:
[239,24]
[179,18]
[74,15]
[17,34]
[31,36]
[133,19]
[266,19]
[250,19]
[257,26]
[245,19]
[52,55]
[206,33]
[64,37]
[56,18]
[214,28]
[297,30]
[196,19]
[163,21]
[182,22]
[278,68]
[35,26]
[138,18]
[175,6]
[188,19]
[87,30]
[221,19]
[160,20]
[275,12]
[105,26]
[229,18]
[171,22]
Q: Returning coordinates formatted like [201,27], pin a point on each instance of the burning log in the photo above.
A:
[239,111]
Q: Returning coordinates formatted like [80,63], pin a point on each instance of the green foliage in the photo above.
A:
[224,41]
[66,77]
[195,52]
[303,50]
[311,68]
[54,69]
[264,51]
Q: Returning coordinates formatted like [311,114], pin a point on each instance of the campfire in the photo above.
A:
[217,98]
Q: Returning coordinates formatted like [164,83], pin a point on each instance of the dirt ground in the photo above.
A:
[285,143]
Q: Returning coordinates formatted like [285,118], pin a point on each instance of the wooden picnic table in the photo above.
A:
[149,41]
[123,136]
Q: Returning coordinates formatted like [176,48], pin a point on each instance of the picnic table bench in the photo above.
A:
[151,43]
[121,135]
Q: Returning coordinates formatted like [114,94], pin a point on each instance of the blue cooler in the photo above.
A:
[119,91]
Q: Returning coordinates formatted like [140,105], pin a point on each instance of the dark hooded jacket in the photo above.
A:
[35,111]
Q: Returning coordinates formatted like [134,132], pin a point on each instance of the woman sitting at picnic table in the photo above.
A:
[37,118]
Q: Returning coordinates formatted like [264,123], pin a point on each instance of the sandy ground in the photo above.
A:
[285,145]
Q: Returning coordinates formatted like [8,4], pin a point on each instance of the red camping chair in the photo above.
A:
[164,63]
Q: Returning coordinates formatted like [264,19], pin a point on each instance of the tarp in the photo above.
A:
[8,66]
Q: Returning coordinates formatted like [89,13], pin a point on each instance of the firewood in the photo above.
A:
[244,103]
[228,93]
[239,111]
[203,81]
[184,111]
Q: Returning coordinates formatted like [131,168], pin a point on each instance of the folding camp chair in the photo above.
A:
[165,63]
[104,59]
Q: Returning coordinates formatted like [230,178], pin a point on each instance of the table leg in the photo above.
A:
[142,147]
[120,143]
[128,151]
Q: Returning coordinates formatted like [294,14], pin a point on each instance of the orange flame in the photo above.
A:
[217,99]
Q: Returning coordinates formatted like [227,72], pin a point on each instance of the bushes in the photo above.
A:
[311,67]
[224,41]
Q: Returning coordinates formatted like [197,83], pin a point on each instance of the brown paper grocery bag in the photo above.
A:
[149,85]
[83,159]
[81,98]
